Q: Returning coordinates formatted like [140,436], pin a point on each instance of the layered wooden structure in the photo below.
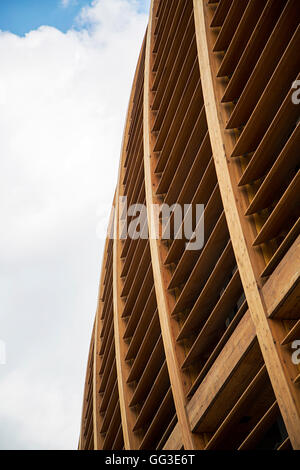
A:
[193,349]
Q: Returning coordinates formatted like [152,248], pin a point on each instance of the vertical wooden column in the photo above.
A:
[168,325]
[286,392]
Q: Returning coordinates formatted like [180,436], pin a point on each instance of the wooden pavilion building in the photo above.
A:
[199,349]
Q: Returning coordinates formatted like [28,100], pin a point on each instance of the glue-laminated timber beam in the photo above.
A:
[82,439]
[131,440]
[98,440]
[287,394]
[168,325]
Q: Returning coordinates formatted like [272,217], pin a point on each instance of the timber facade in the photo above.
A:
[197,349]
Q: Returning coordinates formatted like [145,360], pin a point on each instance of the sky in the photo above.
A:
[66,73]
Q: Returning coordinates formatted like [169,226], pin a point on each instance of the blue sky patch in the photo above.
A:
[22,16]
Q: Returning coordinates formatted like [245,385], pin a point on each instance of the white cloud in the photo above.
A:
[65,3]
[63,102]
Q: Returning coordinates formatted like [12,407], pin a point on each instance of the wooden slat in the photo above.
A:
[118,442]
[110,409]
[179,163]
[282,300]
[158,389]
[285,445]
[113,428]
[260,385]
[142,326]
[253,50]
[283,248]
[208,257]
[216,320]
[278,175]
[218,348]
[163,12]
[136,272]
[273,141]
[145,305]
[109,386]
[150,372]
[187,262]
[288,208]
[174,441]
[293,334]
[230,24]
[164,85]
[184,194]
[144,352]
[136,284]
[239,344]
[206,300]
[107,367]
[175,21]
[171,126]
[270,100]
[297,379]
[260,428]
[241,37]
[163,415]
[220,13]
[167,433]
[205,192]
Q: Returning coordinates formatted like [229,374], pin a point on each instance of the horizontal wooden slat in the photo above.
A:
[207,259]
[285,445]
[145,349]
[248,404]
[293,334]
[230,24]
[252,52]
[158,390]
[280,292]
[278,176]
[184,194]
[150,372]
[288,208]
[228,364]
[269,102]
[164,84]
[209,217]
[143,301]
[241,36]
[205,191]
[206,300]
[163,415]
[220,13]
[260,429]
[282,249]
[216,320]
[181,157]
[218,348]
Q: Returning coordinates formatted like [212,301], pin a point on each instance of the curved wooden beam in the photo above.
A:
[268,335]
[82,441]
[131,440]
[168,325]
[98,441]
